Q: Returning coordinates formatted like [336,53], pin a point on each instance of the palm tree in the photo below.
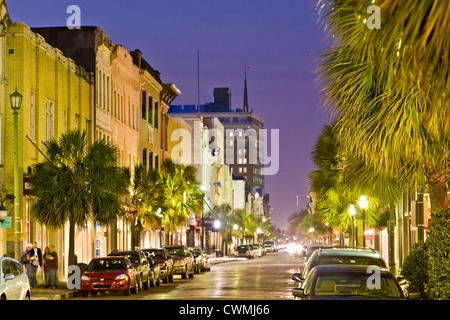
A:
[143,200]
[181,194]
[77,182]
[389,88]
[224,214]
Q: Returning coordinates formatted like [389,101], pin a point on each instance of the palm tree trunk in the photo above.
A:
[72,259]
[437,184]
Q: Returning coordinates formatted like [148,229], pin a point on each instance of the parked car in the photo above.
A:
[263,249]
[165,261]
[344,255]
[140,263]
[347,282]
[269,248]
[244,250]
[199,259]
[308,253]
[257,250]
[183,261]
[155,270]
[207,262]
[14,283]
[271,243]
[109,274]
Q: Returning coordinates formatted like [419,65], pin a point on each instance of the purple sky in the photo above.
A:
[278,39]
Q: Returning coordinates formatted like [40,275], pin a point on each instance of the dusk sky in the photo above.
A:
[278,39]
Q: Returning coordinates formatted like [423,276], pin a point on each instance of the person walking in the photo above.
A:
[52,267]
[27,260]
[36,262]
[46,258]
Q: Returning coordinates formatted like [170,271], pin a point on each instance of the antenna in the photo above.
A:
[245,106]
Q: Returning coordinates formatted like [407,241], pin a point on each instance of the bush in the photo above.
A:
[438,240]
[415,268]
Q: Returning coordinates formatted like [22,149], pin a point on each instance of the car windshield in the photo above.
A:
[134,258]
[242,248]
[106,264]
[365,261]
[176,252]
[155,254]
[356,284]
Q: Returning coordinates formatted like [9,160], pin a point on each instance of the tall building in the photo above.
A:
[243,143]
[58,96]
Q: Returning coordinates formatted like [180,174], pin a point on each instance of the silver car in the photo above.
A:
[14,283]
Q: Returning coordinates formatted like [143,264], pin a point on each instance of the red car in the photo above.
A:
[109,274]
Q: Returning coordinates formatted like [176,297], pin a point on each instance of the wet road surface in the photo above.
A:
[267,277]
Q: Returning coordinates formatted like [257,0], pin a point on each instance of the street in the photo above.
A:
[267,277]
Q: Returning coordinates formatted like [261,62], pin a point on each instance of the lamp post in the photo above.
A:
[16,101]
[235,228]
[217,227]
[352,213]
[203,242]
[364,204]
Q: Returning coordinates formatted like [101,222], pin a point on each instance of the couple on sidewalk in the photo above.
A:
[33,259]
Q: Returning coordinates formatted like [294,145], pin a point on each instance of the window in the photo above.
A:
[77,121]
[150,134]
[156,162]
[156,114]
[144,104]
[150,109]
[66,120]
[50,119]
[33,115]
[150,160]
[144,157]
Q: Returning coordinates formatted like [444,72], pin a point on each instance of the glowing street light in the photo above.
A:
[364,204]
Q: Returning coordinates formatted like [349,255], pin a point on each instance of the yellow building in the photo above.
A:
[58,96]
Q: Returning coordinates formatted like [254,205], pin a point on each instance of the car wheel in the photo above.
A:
[191,275]
[185,273]
[27,296]
[147,283]
[127,291]
[135,289]
[171,276]
[153,282]
[158,281]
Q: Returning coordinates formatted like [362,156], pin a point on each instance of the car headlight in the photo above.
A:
[121,277]
[85,278]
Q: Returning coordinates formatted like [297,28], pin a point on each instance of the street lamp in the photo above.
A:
[353,213]
[235,228]
[16,102]
[363,204]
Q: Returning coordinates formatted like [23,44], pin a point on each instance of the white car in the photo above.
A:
[14,283]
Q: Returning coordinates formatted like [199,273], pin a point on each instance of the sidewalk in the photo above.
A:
[61,293]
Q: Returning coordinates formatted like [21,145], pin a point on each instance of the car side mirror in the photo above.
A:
[297,277]
[298,292]
[9,276]
[401,280]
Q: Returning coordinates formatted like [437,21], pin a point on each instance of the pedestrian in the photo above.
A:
[46,258]
[52,267]
[36,262]
[27,260]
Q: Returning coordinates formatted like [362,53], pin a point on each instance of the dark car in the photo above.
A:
[344,256]
[199,258]
[109,274]
[313,248]
[244,250]
[348,282]
[183,261]
[140,263]
[165,261]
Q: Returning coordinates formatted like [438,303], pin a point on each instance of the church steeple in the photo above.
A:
[245,106]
